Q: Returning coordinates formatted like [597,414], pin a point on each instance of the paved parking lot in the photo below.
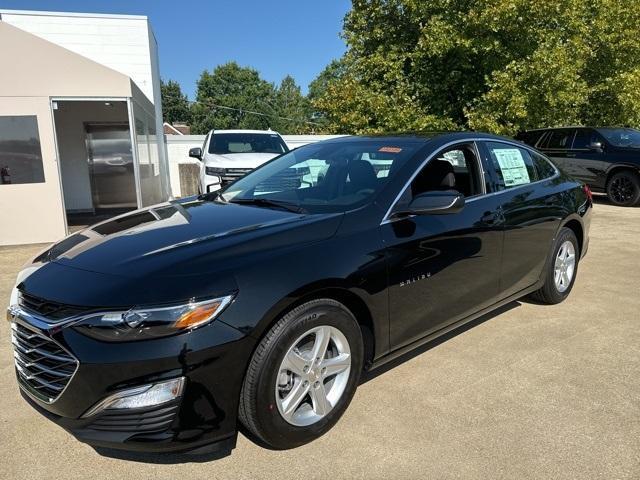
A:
[530,392]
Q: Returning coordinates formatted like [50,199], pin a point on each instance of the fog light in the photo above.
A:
[140,397]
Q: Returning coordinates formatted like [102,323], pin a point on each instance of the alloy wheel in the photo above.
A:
[313,375]
[565,265]
[622,189]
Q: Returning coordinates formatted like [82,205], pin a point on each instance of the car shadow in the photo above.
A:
[161,458]
[367,376]
[601,199]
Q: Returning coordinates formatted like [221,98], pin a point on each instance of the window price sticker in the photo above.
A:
[514,170]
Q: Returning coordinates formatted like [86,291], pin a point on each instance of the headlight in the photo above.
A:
[150,322]
[214,171]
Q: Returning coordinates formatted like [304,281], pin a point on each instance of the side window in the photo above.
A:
[543,166]
[513,165]
[560,139]
[584,138]
[456,168]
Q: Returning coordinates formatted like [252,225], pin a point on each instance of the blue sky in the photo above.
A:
[297,37]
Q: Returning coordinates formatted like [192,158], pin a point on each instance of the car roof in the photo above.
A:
[561,128]
[265,132]
[419,137]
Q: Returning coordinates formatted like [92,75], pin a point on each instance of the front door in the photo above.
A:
[587,162]
[443,268]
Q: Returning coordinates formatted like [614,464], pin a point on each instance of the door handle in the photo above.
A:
[489,218]
[572,155]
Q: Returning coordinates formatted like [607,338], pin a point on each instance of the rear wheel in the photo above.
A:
[561,270]
[303,375]
[623,188]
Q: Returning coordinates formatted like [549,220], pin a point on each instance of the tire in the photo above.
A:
[551,293]
[623,188]
[264,391]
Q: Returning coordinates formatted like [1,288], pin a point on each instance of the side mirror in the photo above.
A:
[435,203]
[596,146]
[195,153]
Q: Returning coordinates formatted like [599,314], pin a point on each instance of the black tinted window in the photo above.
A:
[513,165]
[559,139]
[453,169]
[584,138]
[226,143]
[530,138]
[621,137]
[543,166]
[20,154]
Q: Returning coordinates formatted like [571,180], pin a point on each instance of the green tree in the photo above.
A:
[175,106]
[496,65]
[292,109]
[241,91]
[331,73]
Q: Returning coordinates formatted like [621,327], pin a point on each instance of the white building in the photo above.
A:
[80,121]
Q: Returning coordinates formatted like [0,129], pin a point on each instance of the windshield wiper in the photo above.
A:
[267,202]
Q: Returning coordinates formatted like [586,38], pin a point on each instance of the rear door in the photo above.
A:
[556,145]
[442,267]
[529,194]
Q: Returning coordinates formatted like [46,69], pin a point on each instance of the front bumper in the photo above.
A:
[212,359]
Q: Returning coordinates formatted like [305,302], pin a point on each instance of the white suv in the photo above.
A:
[227,155]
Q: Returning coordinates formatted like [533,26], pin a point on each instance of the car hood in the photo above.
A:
[239,160]
[187,237]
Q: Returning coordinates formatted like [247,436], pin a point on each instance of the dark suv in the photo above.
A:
[607,159]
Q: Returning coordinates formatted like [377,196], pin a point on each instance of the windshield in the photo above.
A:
[621,137]
[324,177]
[226,143]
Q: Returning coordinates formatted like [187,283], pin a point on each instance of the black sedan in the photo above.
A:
[162,329]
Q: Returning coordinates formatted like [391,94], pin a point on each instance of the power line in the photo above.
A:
[242,110]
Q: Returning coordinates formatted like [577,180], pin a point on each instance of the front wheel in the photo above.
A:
[302,375]
[623,188]
[561,269]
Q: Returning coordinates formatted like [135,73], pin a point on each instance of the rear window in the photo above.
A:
[229,143]
[543,166]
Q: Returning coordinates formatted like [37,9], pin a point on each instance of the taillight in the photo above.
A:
[587,192]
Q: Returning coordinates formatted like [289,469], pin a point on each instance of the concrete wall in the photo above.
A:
[32,212]
[178,151]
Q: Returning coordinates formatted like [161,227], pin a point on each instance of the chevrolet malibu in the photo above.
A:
[261,304]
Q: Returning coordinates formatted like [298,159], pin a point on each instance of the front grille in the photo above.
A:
[47,308]
[155,419]
[43,366]
[233,174]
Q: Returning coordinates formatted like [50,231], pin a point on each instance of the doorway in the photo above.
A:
[97,160]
